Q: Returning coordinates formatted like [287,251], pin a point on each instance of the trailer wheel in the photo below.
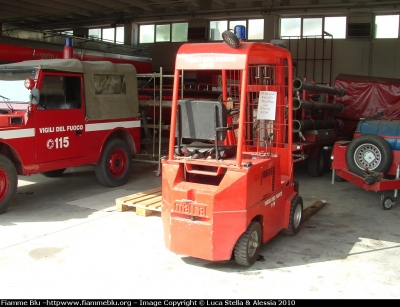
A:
[115,165]
[317,165]
[54,173]
[8,182]
[387,202]
[370,152]
[248,246]
[296,214]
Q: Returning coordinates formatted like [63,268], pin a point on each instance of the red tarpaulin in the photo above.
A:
[365,97]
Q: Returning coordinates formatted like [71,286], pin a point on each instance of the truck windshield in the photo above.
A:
[12,87]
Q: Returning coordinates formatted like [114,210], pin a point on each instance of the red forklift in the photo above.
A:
[227,182]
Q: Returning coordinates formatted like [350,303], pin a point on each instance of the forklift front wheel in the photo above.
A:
[387,202]
[296,214]
[248,246]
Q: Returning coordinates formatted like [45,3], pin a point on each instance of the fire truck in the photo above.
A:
[227,182]
[60,113]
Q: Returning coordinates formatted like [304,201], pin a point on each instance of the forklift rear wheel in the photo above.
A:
[54,173]
[248,246]
[387,202]
[8,182]
[115,165]
[296,214]
[368,151]
[317,165]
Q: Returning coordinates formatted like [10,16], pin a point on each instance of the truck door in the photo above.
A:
[60,119]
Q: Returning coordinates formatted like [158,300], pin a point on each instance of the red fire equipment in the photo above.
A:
[227,182]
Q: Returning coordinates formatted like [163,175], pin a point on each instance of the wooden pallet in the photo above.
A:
[146,202]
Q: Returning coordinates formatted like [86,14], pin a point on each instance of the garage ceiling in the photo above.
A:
[71,14]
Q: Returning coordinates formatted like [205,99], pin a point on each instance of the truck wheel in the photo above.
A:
[296,214]
[8,182]
[54,173]
[370,152]
[248,246]
[317,165]
[115,165]
[327,160]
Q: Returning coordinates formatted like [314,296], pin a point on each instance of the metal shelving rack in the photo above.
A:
[156,101]
[313,57]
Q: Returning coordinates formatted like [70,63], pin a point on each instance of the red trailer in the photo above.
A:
[227,182]
[372,159]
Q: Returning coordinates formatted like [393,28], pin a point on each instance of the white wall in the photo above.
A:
[378,58]
[356,56]
[367,57]
[163,55]
[385,58]
[351,56]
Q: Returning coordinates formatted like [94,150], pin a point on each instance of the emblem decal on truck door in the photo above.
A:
[62,142]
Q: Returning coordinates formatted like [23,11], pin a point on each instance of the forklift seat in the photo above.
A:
[204,120]
[200,120]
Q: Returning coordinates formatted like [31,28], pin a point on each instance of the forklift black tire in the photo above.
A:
[54,173]
[248,246]
[115,165]
[8,183]
[369,146]
[387,203]
[317,165]
[296,215]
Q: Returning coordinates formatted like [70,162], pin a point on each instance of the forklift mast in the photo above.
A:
[244,73]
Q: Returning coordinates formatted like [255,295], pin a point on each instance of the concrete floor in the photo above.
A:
[62,238]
